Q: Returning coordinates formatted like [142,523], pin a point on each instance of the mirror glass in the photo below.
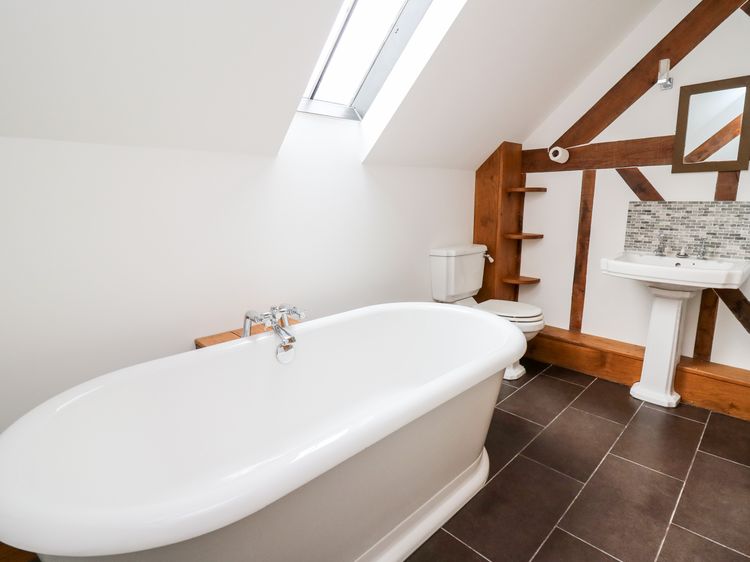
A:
[714,123]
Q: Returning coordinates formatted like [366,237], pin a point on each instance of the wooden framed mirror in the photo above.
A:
[711,133]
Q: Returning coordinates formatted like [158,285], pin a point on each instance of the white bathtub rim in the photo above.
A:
[122,530]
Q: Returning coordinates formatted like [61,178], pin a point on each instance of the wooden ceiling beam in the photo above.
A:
[652,151]
[685,36]
[644,189]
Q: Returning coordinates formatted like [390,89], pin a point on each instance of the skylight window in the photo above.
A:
[367,38]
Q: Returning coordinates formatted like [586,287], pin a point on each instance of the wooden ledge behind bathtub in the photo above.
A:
[709,385]
[205,341]
[10,554]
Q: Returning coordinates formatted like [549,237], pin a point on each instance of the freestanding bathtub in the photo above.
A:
[358,449]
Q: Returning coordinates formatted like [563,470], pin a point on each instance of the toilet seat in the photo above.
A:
[517,312]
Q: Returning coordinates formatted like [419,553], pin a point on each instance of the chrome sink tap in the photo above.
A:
[682,253]
[702,249]
[661,244]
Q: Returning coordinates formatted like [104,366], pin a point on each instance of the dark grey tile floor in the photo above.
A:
[580,471]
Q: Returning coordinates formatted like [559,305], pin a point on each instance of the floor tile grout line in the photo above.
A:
[722,458]
[710,540]
[569,382]
[561,473]
[531,378]
[588,543]
[557,524]
[509,395]
[463,543]
[533,438]
[521,417]
[647,467]
[549,424]
[597,416]
[675,415]
[682,489]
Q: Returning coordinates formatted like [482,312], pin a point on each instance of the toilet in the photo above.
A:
[457,277]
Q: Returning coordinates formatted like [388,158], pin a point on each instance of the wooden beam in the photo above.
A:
[685,36]
[498,212]
[727,184]
[726,190]
[644,189]
[716,142]
[746,8]
[710,385]
[578,295]
[738,304]
[704,335]
[653,151]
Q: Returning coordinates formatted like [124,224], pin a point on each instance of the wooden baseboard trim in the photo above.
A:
[718,387]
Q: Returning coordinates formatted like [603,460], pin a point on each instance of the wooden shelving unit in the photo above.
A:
[521,280]
[516,280]
[499,196]
[523,236]
[527,190]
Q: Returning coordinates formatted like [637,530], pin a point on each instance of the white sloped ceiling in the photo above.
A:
[222,75]
[500,69]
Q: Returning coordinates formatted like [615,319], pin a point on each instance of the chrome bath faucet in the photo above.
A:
[277,319]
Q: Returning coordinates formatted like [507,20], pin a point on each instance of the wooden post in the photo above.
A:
[497,212]
[578,296]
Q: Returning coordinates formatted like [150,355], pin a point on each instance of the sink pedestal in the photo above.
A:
[663,346]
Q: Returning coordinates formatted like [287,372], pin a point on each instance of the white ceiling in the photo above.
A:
[204,74]
[501,68]
[227,75]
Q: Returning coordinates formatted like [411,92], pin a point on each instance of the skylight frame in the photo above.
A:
[409,16]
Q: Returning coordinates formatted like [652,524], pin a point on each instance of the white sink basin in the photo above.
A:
[675,273]
[672,281]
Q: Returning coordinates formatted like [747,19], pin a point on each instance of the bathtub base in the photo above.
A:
[420,525]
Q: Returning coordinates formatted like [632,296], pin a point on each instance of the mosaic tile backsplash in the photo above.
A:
[725,226]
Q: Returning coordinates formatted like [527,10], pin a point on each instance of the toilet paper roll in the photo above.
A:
[558,154]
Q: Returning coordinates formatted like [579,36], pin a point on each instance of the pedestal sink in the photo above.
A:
[672,281]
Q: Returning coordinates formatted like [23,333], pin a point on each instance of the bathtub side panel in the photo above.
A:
[341,514]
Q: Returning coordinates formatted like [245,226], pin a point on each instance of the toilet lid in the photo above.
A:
[510,309]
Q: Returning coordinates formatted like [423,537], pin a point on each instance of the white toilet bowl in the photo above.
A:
[526,317]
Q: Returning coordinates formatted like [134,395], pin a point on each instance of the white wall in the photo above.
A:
[113,255]
[619,308]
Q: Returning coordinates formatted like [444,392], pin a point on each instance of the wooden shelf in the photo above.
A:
[522,236]
[526,190]
[520,280]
